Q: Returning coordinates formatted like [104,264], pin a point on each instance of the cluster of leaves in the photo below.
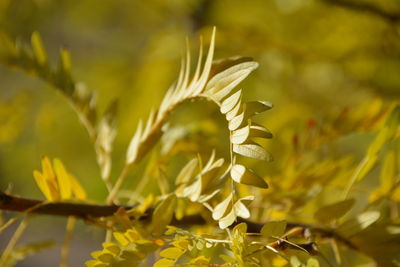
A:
[214,191]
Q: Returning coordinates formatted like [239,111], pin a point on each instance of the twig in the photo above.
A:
[88,211]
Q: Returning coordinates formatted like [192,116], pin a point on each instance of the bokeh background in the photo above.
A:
[318,59]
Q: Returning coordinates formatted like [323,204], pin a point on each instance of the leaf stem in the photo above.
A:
[121,179]
[67,240]
[13,241]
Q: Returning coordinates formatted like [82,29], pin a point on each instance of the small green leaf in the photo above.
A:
[274,229]
[162,215]
[359,223]
[334,211]
[65,60]
[388,172]
[227,258]
[240,229]
[312,262]
[186,173]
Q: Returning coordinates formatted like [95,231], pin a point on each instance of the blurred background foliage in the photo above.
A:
[330,67]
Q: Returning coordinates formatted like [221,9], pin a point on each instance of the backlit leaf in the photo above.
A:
[229,103]
[252,150]
[223,83]
[134,145]
[186,173]
[236,122]
[227,220]
[221,208]
[239,136]
[242,175]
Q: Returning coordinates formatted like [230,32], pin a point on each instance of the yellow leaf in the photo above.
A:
[312,262]
[65,60]
[111,247]
[41,182]
[38,49]
[334,211]
[77,189]
[50,178]
[183,244]
[63,178]
[121,238]
[172,253]
[133,235]
[388,173]
[164,263]
[200,260]
[91,263]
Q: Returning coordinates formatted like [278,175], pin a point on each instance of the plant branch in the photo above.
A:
[87,211]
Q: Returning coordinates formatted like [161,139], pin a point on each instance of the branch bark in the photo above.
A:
[89,211]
